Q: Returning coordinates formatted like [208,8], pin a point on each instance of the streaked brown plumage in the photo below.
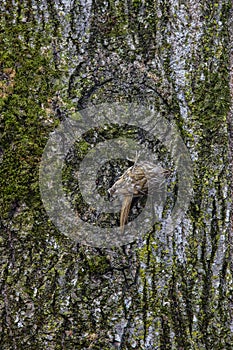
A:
[134,182]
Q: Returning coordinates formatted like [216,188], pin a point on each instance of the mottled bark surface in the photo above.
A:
[167,291]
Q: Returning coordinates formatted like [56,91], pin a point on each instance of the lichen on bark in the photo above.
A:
[161,292]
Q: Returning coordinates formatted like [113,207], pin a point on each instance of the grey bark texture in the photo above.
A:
[163,291]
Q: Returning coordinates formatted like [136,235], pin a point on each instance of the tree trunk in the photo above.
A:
[169,289]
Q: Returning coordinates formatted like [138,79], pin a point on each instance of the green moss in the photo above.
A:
[63,280]
[23,110]
[98,264]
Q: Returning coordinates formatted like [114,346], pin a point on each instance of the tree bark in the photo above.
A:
[165,291]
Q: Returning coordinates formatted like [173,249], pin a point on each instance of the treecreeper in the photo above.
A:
[135,182]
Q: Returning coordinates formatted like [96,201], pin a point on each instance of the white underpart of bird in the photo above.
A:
[134,182]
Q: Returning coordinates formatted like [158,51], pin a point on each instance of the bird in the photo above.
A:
[135,182]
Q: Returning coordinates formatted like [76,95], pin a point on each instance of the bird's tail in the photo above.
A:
[126,204]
